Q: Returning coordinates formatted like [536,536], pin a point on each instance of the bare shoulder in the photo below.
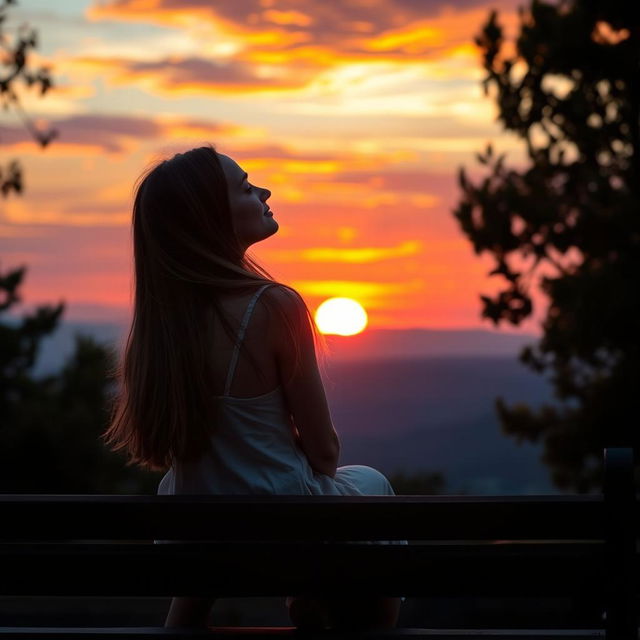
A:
[286,300]
[288,320]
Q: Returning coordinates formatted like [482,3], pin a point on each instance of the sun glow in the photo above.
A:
[342,316]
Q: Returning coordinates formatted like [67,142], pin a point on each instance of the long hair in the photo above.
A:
[186,254]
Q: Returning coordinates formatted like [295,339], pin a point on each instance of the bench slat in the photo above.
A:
[268,633]
[60,517]
[247,570]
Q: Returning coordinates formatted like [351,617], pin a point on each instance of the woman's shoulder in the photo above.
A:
[286,310]
[284,296]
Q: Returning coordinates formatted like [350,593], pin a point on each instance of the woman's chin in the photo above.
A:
[269,231]
[275,227]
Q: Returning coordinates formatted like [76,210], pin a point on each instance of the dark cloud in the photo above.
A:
[200,73]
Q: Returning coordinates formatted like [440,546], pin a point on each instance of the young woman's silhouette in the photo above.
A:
[219,383]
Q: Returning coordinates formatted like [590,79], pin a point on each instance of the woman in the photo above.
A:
[220,384]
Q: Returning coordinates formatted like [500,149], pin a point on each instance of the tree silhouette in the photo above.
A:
[14,68]
[50,427]
[568,223]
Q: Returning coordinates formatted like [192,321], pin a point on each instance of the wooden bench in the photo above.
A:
[581,546]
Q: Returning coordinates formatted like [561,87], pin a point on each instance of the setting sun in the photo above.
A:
[342,316]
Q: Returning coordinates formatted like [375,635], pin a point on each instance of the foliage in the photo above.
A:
[568,222]
[14,67]
[50,429]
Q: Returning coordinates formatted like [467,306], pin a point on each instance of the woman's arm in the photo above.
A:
[302,384]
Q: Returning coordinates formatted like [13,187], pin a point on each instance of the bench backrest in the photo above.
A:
[578,545]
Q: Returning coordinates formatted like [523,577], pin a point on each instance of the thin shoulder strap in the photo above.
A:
[240,338]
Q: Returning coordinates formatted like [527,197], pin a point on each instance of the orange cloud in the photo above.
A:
[338,26]
[415,38]
[349,255]
[362,291]
[284,50]
[288,17]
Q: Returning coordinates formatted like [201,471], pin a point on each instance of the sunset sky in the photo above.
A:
[355,114]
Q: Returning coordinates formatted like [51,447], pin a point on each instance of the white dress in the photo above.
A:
[254,451]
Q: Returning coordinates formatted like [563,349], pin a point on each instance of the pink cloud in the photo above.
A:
[105,133]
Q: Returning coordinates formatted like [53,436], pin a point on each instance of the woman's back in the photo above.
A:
[256,371]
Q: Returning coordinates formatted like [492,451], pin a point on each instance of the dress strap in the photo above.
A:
[240,338]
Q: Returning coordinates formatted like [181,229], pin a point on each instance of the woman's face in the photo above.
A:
[252,219]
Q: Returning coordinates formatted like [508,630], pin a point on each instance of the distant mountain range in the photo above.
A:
[369,345]
[421,343]
[438,414]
